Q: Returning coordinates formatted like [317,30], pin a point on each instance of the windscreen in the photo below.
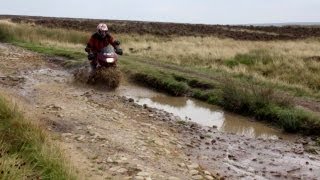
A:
[108,49]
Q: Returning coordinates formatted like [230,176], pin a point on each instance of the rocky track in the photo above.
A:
[111,137]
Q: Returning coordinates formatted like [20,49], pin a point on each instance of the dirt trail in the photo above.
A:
[111,137]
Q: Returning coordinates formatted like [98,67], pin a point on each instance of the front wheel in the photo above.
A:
[110,76]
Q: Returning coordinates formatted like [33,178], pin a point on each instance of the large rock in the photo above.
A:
[193,172]
[173,178]
[197,177]
[122,170]
[114,169]
[143,174]
[193,166]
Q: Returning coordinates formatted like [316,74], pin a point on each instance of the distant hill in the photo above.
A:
[258,32]
[289,24]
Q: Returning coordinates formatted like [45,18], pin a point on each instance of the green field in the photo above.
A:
[254,78]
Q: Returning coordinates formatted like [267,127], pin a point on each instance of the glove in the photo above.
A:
[91,56]
[119,51]
[87,49]
[117,43]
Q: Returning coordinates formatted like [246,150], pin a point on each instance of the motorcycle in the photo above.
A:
[106,73]
[107,57]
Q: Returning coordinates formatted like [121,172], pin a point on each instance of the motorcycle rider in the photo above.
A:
[100,39]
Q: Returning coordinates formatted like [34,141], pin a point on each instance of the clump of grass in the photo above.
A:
[212,96]
[193,82]
[253,57]
[162,82]
[157,79]
[235,98]
[26,150]
[231,63]
[263,104]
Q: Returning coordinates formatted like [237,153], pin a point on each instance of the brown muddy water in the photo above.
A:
[186,108]
[190,109]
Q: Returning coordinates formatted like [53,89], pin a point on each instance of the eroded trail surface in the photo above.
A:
[111,137]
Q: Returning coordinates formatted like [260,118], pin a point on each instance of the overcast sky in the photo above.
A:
[183,11]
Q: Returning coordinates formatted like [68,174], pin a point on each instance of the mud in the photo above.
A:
[107,136]
[108,78]
[189,109]
[111,77]
[240,157]
[81,75]
[11,80]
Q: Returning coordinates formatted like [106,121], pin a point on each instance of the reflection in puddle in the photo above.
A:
[202,113]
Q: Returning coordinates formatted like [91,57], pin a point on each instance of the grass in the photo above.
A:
[262,103]
[285,63]
[27,33]
[288,64]
[25,149]
[242,76]
[160,80]
[54,42]
[51,50]
[265,104]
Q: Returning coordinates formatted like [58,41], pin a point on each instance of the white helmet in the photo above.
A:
[102,27]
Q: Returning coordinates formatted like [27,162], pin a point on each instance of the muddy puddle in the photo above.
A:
[186,108]
[190,109]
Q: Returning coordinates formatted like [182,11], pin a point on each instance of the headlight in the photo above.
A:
[110,60]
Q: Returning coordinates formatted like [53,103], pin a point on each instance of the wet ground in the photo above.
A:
[189,109]
[109,136]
